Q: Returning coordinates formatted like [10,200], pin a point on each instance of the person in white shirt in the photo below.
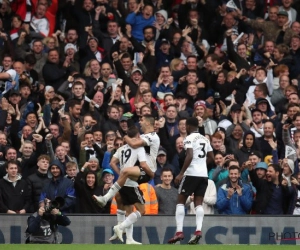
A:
[193,178]
[150,141]
[39,23]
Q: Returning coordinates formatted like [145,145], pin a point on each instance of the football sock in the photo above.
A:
[129,232]
[199,217]
[179,216]
[120,216]
[112,191]
[132,218]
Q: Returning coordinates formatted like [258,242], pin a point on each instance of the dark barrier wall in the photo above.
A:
[158,229]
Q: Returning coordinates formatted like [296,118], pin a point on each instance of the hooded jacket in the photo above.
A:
[269,111]
[60,187]
[14,195]
[243,153]
[85,194]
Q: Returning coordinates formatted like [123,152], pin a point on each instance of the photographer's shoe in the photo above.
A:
[101,201]
[132,242]
[177,237]
[118,232]
[195,238]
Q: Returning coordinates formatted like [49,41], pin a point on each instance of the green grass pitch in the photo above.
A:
[144,247]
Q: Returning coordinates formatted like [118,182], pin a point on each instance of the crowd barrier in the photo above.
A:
[92,229]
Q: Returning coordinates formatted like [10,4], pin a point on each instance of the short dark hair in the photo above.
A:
[30,59]
[74,102]
[150,119]
[166,169]
[12,162]
[192,121]
[233,167]
[132,131]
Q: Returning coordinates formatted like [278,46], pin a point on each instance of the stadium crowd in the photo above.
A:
[75,75]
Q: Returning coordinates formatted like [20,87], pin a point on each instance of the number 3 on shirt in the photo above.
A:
[202,153]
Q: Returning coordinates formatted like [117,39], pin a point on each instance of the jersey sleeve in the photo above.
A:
[209,148]
[141,155]
[147,139]
[187,143]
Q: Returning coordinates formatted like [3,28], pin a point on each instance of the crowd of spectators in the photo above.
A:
[75,75]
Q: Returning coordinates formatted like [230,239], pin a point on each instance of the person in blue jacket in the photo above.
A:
[138,21]
[234,197]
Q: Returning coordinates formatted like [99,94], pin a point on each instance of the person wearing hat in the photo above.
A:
[123,125]
[164,54]
[70,52]
[286,7]
[200,110]
[162,162]
[288,167]
[272,196]
[272,29]
[263,104]
[92,51]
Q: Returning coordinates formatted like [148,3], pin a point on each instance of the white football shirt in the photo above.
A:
[200,145]
[152,140]
[128,157]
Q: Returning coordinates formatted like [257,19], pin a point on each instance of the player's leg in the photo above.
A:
[129,231]
[134,196]
[179,217]
[120,213]
[132,173]
[198,199]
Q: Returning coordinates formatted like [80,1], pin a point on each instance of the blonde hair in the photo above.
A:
[174,63]
[87,68]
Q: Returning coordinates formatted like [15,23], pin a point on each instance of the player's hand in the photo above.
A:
[178,179]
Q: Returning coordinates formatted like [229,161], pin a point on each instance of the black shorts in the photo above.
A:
[143,177]
[131,195]
[193,184]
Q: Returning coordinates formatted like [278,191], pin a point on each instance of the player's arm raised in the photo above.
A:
[135,142]
[114,164]
[187,162]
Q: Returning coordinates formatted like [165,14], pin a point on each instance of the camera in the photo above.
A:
[57,203]
[288,121]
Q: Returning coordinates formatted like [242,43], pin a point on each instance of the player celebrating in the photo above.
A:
[130,193]
[150,141]
[193,178]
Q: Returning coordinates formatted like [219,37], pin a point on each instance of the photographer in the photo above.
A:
[42,226]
